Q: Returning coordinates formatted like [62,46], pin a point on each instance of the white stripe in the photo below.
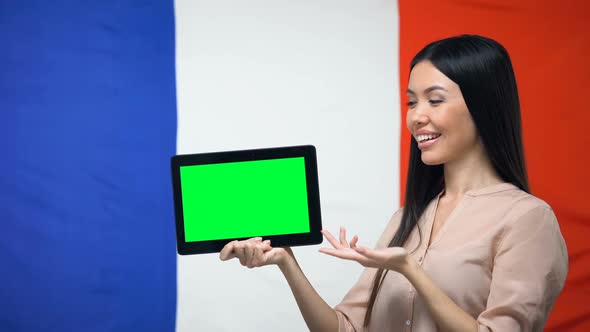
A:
[265,73]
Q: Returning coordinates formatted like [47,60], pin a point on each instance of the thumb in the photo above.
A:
[228,251]
[266,245]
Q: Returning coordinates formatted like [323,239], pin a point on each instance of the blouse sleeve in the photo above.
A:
[351,311]
[529,271]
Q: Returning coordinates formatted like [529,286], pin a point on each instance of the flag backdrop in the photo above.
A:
[96,96]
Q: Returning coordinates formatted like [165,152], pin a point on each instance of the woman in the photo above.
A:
[471,250]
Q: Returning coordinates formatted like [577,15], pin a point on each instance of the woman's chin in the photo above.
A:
[430,160]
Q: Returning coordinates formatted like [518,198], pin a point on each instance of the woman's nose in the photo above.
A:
[418,117]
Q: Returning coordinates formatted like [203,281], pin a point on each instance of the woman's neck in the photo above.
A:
[474,171]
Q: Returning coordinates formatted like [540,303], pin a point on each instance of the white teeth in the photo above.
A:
[422,138]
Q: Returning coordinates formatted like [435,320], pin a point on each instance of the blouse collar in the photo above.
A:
[492,189]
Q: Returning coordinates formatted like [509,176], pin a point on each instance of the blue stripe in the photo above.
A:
[87,127]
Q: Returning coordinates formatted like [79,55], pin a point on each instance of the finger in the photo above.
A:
[257,257]
[249,251]
[343,241]
[331,239]
[255,239]
[344,254]
[354,241]
[266,245]
[364,251]
[240,252]
[228,251]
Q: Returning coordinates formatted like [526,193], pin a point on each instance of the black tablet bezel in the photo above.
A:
[313,196]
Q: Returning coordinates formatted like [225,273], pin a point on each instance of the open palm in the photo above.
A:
[391,258]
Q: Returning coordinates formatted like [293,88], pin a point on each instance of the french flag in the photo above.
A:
[96,96]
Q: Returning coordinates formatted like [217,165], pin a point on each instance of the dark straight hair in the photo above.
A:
[483,70]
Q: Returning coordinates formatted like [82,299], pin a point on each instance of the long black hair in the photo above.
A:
[483,70]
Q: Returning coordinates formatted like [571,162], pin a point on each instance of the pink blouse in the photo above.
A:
[500,256]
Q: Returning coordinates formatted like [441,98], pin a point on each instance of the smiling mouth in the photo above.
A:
[426,138]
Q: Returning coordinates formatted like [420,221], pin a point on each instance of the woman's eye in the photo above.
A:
[435,102]
[411,103]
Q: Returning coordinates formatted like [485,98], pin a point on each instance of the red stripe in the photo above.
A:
[549,44]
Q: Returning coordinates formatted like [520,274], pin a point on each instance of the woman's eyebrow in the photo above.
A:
[427,90]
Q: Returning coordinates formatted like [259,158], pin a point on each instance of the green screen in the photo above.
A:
[244,199]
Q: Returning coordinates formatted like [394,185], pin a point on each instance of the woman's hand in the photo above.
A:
[254,252]
[393,258]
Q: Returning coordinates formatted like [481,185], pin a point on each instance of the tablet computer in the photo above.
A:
[236,195]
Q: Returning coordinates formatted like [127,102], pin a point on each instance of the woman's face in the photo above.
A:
[438,117]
